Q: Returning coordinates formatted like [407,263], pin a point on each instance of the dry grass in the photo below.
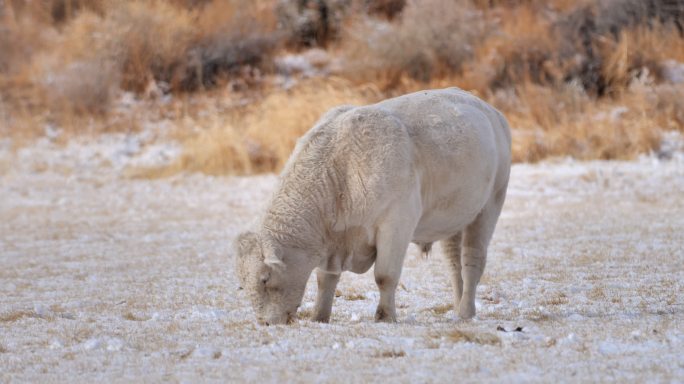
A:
[354,297]
[261,138]
[13,316]
[483,338]
[133,317]
[441,309]
[575,78]
[390,354]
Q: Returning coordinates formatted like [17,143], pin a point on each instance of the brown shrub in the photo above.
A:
[521,51]
[638,52]
[232,37]
[385,8]
[567,122]
[308,23]
[133,46]
[431,38]
[589,35]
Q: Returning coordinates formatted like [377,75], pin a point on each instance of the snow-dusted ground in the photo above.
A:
[107,279]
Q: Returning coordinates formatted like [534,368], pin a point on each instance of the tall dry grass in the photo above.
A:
[588,79]
[261,137]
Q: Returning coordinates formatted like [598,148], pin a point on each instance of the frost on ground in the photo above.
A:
[113,279]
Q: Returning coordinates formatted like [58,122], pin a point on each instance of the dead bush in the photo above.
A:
[384,8]
[430,39]
[521,51]
[591,34]
[157,42]
[52,12]
[308,23]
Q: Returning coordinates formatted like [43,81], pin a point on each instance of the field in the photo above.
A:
[112,278]
[138,138]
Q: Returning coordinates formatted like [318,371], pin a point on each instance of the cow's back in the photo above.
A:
[449,146]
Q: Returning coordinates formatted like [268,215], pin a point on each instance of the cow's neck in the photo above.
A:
[295,216]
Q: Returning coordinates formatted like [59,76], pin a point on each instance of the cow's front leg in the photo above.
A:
[392,245]
[327,282]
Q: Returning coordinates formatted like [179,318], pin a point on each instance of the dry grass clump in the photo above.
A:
[308,23]
[441,309]
[592,33]
[13,316]
[383,52]
[318,23]
[568,123]
[483,338]
[385,8]
[521,51]
[637,52]
[389,353]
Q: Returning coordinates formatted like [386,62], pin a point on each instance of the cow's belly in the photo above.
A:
[446,216]
[438,226]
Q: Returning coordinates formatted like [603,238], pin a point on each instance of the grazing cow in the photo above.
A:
[366,181]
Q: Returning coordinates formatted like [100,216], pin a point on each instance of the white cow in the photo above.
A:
[366,181]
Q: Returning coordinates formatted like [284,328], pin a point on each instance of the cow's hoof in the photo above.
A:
[321,319]
[466,310]
[384,316]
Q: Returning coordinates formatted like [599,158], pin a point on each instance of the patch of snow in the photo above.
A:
[56,344]
[673,71]
[206,352]
[93,343]
[41,310]
[202,313]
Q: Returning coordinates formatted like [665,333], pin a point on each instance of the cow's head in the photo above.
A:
[273,280]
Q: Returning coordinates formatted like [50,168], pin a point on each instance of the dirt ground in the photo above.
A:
[113,279]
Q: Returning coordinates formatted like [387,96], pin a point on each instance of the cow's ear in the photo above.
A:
[271,256]
[246,243]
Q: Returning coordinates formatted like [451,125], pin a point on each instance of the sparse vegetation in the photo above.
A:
[484,338]
[390,354]
[240,83]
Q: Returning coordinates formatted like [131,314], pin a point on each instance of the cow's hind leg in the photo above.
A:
[327,282]
[476,239]
[452,251]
